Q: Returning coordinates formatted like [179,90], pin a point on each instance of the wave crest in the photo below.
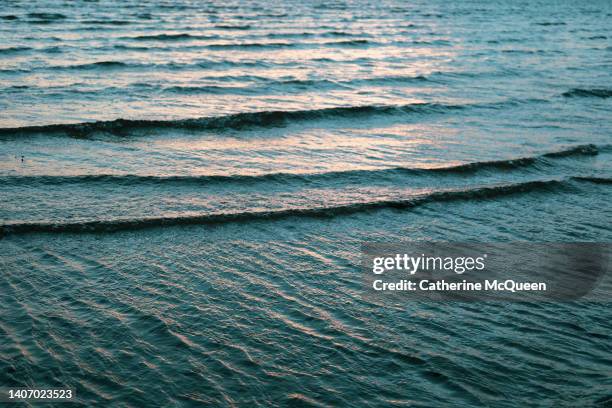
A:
[284,178]
[588,93]
[480,193]
[236,121]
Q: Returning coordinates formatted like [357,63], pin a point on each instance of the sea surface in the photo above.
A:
[185,187]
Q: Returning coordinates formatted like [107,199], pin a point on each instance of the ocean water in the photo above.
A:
[185,187]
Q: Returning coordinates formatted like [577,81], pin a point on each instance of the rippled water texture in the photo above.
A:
[185,187]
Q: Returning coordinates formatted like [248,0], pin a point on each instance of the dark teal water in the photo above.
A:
[198,177]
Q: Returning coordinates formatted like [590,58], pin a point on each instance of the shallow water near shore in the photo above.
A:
[185,188]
